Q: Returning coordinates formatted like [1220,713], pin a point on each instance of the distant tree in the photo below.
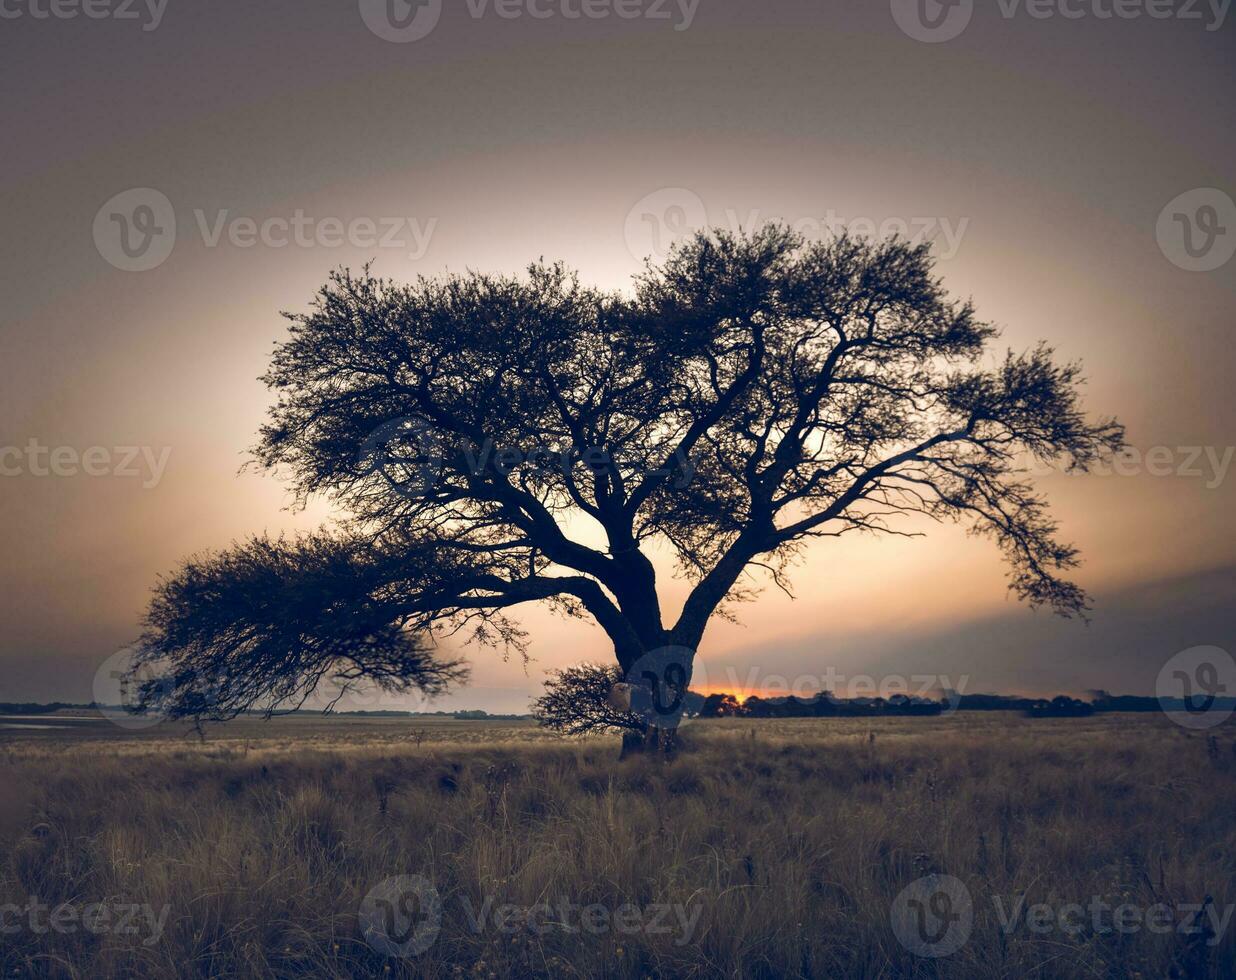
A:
[1061,706]
[720,706]
[500,441]
[586,699]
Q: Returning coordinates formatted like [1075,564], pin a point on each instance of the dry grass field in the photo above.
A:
[1083,848]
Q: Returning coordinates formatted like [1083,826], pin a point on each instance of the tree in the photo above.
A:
[586,699]
[721,706]
[506,440]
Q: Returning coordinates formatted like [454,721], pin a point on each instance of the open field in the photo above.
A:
[774,848]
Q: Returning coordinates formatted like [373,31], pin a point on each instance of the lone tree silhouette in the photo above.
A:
[499,441]
[580,700]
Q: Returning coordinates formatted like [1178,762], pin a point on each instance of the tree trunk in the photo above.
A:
[651,741]
[654,692]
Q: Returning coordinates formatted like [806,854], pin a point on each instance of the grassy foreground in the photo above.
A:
[765,850]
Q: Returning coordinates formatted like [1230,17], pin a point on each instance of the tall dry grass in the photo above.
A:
[789,841]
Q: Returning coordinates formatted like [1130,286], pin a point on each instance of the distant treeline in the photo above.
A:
[32,708]
[824,705]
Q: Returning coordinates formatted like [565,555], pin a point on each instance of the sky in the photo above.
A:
[175,174]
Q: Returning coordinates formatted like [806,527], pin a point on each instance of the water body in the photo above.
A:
[5,724]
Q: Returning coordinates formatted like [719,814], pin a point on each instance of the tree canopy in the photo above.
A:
[500,440]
